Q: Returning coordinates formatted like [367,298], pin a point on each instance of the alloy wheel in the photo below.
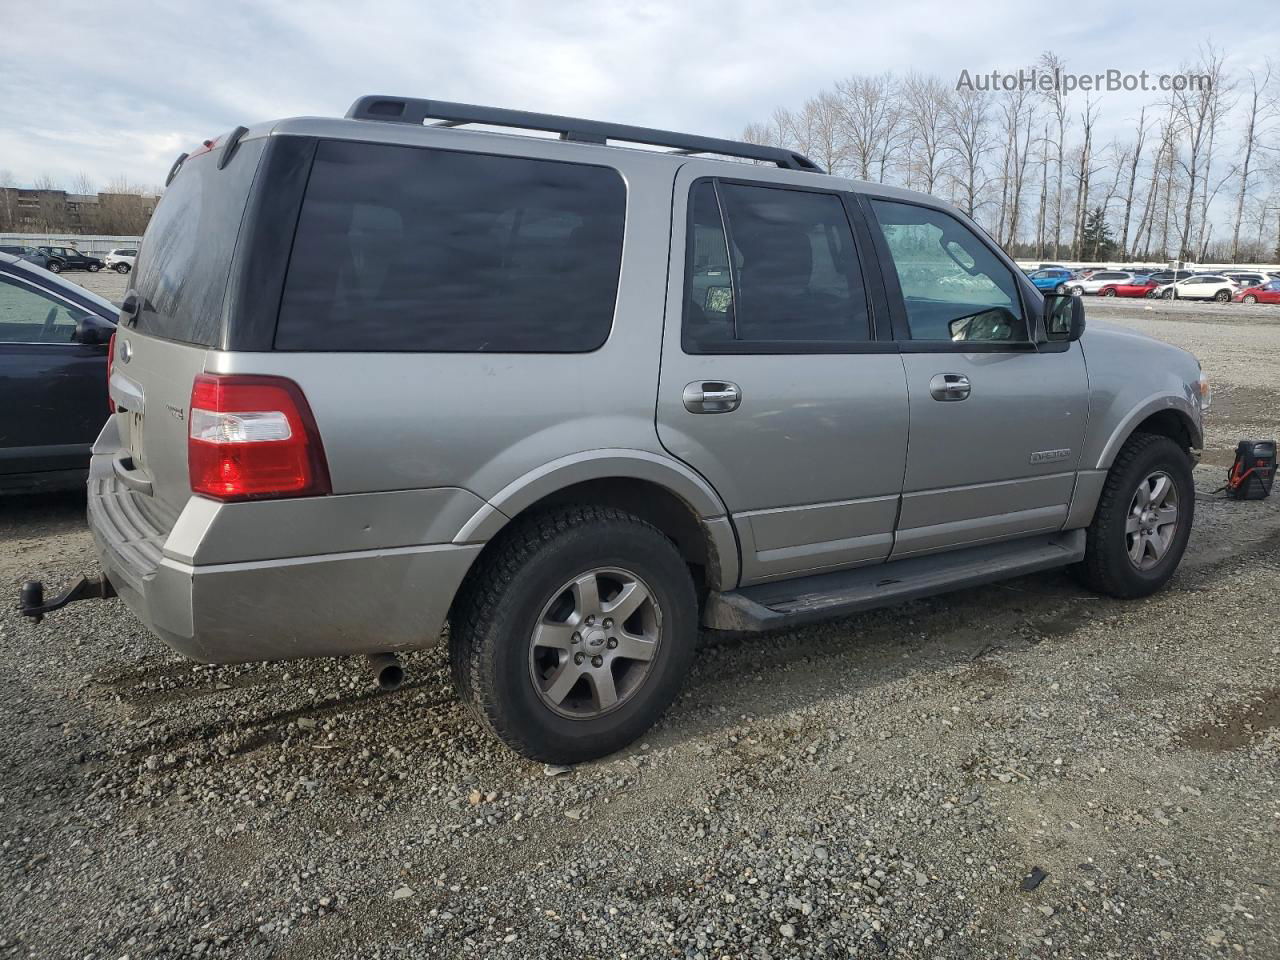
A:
[595,642]
[1152,521]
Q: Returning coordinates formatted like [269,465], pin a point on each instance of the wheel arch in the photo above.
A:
[665,493]
[1167,416]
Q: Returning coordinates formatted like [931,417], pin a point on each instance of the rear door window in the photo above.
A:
[415,249]
[784,274]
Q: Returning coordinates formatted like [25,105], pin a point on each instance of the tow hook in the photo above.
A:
[31,597]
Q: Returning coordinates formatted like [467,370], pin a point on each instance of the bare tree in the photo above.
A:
[873,126]
[1260,107]
[1196,108]
[1057,101]
[927,103]
[822,121]
[1016,116]
[1084,175]
[1134,159]
[1044,191]
[967,123]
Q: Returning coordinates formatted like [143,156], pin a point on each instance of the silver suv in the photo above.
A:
[578,400]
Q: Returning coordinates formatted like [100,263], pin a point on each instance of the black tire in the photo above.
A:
[122,268]
[494,616]
[1109,292]
[1060,288]
[1250,298]
[94,268]
[1077,291]
[54,267]
[1167,295]
[1106,567]
[1222,296]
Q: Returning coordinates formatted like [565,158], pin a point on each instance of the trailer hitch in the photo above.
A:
[31,597]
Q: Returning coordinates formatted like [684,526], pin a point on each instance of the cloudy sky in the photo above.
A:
[89,90]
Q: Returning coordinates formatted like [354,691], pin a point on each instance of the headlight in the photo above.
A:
[1204,392]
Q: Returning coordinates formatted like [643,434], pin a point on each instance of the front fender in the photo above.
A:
[1188,412]
[1132,377]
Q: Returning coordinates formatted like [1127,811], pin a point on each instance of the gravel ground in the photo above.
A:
[1021,770]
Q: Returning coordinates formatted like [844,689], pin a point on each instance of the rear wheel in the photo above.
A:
[54,267]
[574,634]
[1143,519]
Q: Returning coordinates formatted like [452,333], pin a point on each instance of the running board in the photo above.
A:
[788,603]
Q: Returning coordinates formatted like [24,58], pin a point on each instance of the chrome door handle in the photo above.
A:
[712,396]
[949,386]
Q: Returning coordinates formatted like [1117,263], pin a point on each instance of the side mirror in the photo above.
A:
[1063,317]
[93,330]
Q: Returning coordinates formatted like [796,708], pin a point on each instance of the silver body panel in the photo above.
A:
[830,462]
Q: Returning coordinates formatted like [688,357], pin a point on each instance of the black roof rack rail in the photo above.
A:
[417,112]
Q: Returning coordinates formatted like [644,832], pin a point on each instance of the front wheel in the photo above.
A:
[1143,519]
[574,633]
[1167,295]
[1222,296]
[1109,292]
[1077,291]
[122,268]
[1060,288]
[1250,298]
[94,268]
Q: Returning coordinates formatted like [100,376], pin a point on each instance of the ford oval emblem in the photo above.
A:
[125,353]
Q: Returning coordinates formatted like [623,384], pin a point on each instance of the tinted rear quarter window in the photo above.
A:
[181,275]
[417,249]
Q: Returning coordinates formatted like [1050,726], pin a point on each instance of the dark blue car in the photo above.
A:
[1052,280]
[53,377]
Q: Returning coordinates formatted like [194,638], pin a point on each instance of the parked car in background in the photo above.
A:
[29,254]
[1210,286]
[121,260]
[1097,280]
[1133,287]
[1053,280]
[309,446]
[1169,276]
[53,374]
[1268,292]
[69,258]
[1251,278]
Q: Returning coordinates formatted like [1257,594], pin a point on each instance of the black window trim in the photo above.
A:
[879,336]
[298,203]
[897,302]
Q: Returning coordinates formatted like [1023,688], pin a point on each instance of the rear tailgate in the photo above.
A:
[179,288]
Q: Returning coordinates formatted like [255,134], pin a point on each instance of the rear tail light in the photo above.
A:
[111,365]
[253,437]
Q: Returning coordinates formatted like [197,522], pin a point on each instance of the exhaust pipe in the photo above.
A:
[387,671]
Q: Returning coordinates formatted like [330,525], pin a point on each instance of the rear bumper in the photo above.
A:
[330,604]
